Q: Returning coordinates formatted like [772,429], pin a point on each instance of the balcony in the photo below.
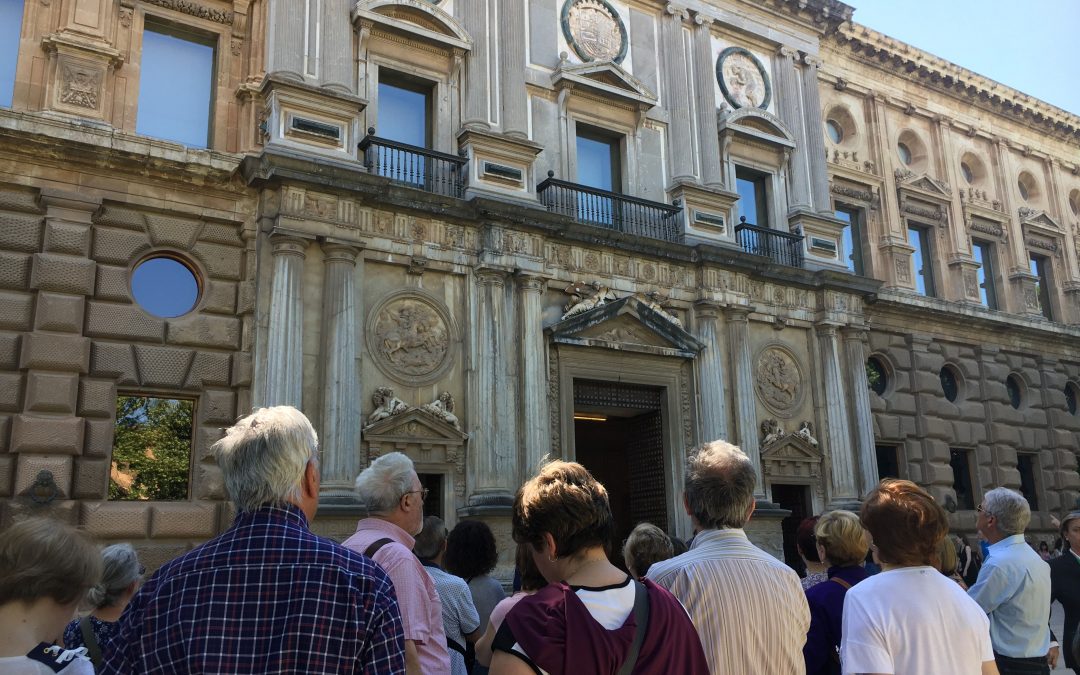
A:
[611,210]
[413,166]
[782,248]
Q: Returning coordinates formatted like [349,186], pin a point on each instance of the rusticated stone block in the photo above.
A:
[62,273]
[5,432]
[15,310]
[91,479]
[197,521]
[205,437]
[209,482]
[43,351]
[20,232]
[118,246]
[163,366]
[69,238]
[220,297]
[115,519]
[105,319]
[55,435]
[11,388]
[171,231]
[29,466]
[113,360]
[14,270]
[97,398]
[223,262]
[7,474]
[208,369]
[63,313]
[205,331]
[243,402]
[9,351]
[51,392]
[153,556]
[216,407]
[99,438]
[241,370]
[245,297]
[221,234]
[118,216]
[112,284]
[16,200]
[247,340]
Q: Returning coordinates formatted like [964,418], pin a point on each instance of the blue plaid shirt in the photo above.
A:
[267,596]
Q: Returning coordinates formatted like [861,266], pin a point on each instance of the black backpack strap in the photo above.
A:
[641,619]
[370,551]
[93,649]
[456,646]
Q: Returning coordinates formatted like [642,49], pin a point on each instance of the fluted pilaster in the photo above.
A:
[863,422]
[705,76]
[534,384]
[738,325]
[473,15]
[491,455]
[791,113]
[677,92]
[711,383]
[336,47]
[844,491]
[283,384]
[512,92]
[815,140]
[285,39]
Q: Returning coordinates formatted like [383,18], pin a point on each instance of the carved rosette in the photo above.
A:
[742,79]
[778,380]
[594,30]
[410,336]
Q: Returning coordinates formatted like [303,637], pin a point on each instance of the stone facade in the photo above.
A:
[475,317]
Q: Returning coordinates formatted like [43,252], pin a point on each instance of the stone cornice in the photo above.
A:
[934,72]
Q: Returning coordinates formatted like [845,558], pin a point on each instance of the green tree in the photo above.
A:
[152,444]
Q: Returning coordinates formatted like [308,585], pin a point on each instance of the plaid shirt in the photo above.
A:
[266,596]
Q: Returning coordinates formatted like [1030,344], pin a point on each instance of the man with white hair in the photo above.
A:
[391,493]
[266,595]
[1013,586]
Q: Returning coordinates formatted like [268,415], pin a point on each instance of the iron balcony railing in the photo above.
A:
[780,247]
[411,165]
[610,210]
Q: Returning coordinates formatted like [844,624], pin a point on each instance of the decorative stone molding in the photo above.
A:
[594,30]
[410,337]
[195,9]
[430,441]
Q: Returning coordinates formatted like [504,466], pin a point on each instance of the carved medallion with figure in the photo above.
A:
[594,30]
[410,338]
[742,79]
[778,380]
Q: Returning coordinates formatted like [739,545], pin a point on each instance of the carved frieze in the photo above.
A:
[986,227]
[80,85]
[1042,244]
[409,336]
[197,10]
[865,196]
[778,380]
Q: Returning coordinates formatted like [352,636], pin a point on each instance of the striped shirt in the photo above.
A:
[748,607]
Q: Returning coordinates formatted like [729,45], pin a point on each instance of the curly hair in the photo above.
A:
[470,550]
[565,501]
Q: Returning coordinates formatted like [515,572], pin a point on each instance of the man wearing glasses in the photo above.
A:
[391,492]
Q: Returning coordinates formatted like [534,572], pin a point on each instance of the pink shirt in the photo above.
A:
[421,610]
[504,607]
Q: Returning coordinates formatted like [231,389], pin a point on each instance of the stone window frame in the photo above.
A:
[890,373]
[1024,388]
[1049,244]
[443,111]
[971,453]
[917,147]
[151,392]
[195,266]
[1036,479]
[616,128]
[754,139]
[961,382]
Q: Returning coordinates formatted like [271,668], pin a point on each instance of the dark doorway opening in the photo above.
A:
[619,438]
[433,503]
[794,498]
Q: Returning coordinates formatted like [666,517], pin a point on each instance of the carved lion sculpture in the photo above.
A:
[806,431]
[584,297]
[771,431]
[386,404]
[443,408]
[655,300]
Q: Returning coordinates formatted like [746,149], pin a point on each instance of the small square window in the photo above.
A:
[151,455]
[888,461]
[176,79]
[1026,465]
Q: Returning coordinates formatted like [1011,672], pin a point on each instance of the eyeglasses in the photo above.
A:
[142,571]
[981,509]
[423,493]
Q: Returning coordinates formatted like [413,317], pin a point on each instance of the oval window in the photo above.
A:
[1070,398]
[1022,186]
[165,287]
[950,384]
[877,378]
[905,153]
[1015,391]
[969,175]
[836,132]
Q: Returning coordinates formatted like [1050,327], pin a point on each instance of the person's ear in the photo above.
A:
[686,506]
[550,549]
[310,484]
[750,511]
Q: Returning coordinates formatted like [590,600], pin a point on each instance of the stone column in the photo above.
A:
[677,94]
[285,39]
[337,53]
[473,16]
[492,461]
[838,440]
[738,323]
[863,422]
[711,377]
[815,136]
[340,429]
[534,383]
[512,92]
[705,101]
[284,379]
[790,105]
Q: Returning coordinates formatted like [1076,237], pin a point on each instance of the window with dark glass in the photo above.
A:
[836,132]
[950,383]
[851,237]
[1015,390]
[404,110]
[752,187]
[1071,392]
[904,152]
[151,453]
[1040,267]
[888,461]
[1026,465]
[919,238]
[598,159]
[176,75]
[965,170]
[11,13]
[984,255]
[877,377]
[960,461]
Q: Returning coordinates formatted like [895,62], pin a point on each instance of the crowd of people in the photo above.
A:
[887,590]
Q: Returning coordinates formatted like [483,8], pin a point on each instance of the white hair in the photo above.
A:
[120,569]
[264,456]
[1010,508]
[381,485]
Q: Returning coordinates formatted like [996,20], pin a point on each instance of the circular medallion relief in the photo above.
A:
[778,380]
[594,30]
[409,335]
[743,79]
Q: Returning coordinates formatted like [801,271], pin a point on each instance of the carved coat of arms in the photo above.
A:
[594,30]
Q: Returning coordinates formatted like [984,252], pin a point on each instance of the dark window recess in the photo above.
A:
[1040,267]
[502,171]
[1026,465]
[823,244]
[1015,391]
[304,125]
[713,219]
[752,187]
[877,377]
[950,386]
[433,504]
[984,255]
[1070,398]
[888,461]
[851,237]
[960,461]
[919,238]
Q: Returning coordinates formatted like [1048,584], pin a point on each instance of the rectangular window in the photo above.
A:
[151,455]
[404,110]
[598,156]
[1040,267]
[960,461]
[984,255]
[11,14]
[919,238]
[752,187]
[1026,464]
[176,85]
[888,462]
[851,238]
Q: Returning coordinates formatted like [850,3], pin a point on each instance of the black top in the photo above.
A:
[1065,588]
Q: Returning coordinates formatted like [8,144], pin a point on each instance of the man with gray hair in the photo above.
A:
[266,595]
[748,607]
[391,493]
[1013,586]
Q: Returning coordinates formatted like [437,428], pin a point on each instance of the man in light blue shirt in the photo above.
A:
[1013,586]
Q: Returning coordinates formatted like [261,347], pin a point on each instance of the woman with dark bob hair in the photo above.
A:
[887,627]
[586,620]
[471,555]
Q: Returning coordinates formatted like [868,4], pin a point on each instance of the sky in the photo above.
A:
[1029,45]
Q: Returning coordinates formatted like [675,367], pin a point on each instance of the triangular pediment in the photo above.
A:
[606,79]
[923,184]
[627,324]
[1038,218]
[757,124]
[414,425]
[792,448]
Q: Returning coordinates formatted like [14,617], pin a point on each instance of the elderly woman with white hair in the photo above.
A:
[107,600]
